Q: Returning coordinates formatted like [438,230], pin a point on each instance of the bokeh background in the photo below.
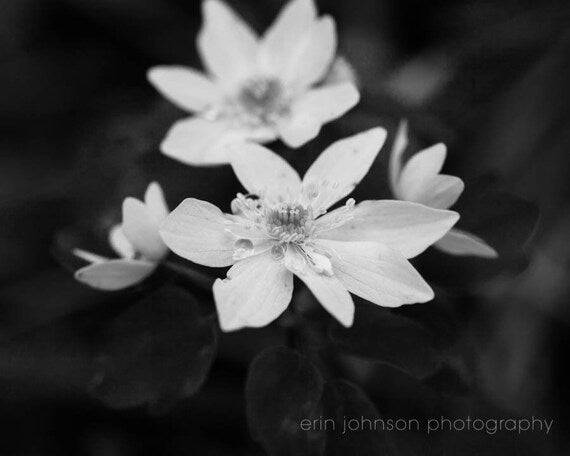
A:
[79,131]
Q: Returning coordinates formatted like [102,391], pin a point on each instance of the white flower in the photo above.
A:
[256,88]
[136,241]
[420,181]
[281,228]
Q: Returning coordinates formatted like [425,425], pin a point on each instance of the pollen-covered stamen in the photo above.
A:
[290,223]
[248,207]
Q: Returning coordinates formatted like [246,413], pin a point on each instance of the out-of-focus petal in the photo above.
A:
[342,165]
[257,290]
[263,172]
[228,46]
[186,88]
[312,56]
[315,108]
[280,41]
[196,230]
[408,228]
[89,256]
[115,274]
[200,142]
[328,289]
[120,244]
[398,148]
[140,226]
[377,273]
[155,201]
[458,242]
[441,192]
[341,71]
[419,171]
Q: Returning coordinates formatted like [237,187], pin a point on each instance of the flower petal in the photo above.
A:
[419,171]
[281,40]
[398,147]
[441,192]
[186,88]
[90,257]
[228,46]
[257,290]
[377,273]
[328,290]
[408,228]
[196,230]
[341,167]
[140,226]
[458,242]
[200,142]
[262,171]
[120,244]
[155,201]
[312,56]
[315,108]
[341,71]
[115,274]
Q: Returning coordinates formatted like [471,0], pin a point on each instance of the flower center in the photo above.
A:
[261,100]
[280,227]
[290,222]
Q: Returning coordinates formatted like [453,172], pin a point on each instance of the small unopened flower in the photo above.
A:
[255,88]
[282,227]
[419,180]
[136,240]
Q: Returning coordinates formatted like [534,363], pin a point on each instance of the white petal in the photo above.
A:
[120,244]
[408,228]
[341,167]
[315,108]
[115,274]
[281,40]
[328,289]
[228,46]
[377,273]
[155,201]
[419,171]
[398,148]
[262,171]
[200,142]
[312,56]
[458,242]
[89,256]
[186,88]
[256,292]
[341,71]
[140,226]
[196,230]
[441,192]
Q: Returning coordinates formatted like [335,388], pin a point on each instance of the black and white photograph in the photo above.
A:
[284,228]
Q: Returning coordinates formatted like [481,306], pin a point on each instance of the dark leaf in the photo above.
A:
[156,352]
[382,335]
[283,388]
[347,405]
[504,221]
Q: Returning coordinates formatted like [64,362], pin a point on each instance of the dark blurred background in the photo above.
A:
[79,131]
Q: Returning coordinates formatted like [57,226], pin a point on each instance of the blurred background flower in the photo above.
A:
[79,131]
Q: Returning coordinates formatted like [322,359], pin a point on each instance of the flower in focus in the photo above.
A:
[282,227]
[256,88]
[420,181]
[136,241]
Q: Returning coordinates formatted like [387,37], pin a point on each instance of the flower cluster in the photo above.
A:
[258,89]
